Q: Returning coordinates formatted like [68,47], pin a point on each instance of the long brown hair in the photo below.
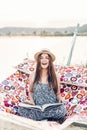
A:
[52,79]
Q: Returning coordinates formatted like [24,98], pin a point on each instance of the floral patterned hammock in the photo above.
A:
[14,89]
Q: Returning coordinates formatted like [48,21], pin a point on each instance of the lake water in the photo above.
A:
[14,49]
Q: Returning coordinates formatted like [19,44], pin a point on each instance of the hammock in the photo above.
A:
[14,89]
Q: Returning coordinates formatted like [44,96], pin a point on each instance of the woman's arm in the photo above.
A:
[30,94]
[58,82]
[31,88]
[58,91]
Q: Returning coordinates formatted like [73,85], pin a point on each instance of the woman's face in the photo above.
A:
[44,60]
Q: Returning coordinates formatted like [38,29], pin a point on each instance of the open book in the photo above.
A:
[40,108]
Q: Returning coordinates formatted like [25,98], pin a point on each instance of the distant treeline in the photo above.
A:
[27,31]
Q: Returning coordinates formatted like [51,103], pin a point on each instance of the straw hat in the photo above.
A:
[45,52]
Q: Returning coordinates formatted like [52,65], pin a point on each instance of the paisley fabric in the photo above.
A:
[43,95]
[54,113]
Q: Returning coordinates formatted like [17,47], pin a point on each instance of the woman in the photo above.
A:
[44,89]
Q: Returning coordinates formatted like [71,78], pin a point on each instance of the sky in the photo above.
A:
[43,13]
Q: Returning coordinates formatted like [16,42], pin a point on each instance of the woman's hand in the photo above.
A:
[60,98]
[29,102]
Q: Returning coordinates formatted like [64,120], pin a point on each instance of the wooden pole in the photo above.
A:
[72,47]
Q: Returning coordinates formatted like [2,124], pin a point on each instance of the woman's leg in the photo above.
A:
[30,113]
[55,113]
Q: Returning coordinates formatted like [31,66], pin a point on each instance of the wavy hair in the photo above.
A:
[52,79]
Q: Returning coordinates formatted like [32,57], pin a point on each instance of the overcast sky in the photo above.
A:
[43,13]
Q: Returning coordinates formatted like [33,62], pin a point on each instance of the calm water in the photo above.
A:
[14,49]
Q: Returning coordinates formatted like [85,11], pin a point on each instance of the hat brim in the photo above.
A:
[45,52]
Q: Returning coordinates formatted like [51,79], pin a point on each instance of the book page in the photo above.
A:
[42,108]
[50,105]
[29,106]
